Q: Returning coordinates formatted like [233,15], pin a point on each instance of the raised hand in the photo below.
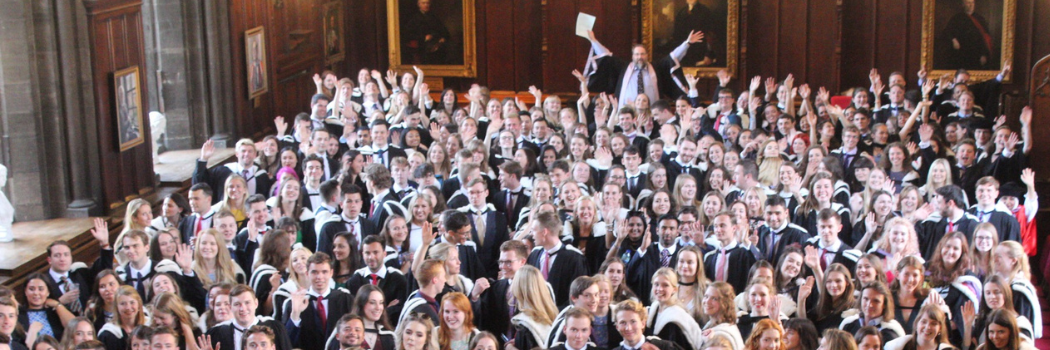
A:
[922,74]
[804,91]
[873,76]
[299,302]
[756,81]
[824,95]
[604,156]
[943,82]
[774,309]
[771,85]
[184,257]
[317,80]
[723,77]
[806,288]
[391,78]
[1006,70]
[1028,177]
[1026,116]
[281,125]
[1012,141]
[969,313]
[812,258]
[590,36]
[207,150]
[869,222]
[695,37]
[576,73]
[999,122]
[419,72]
[795,186]
[204,343]
[101,232]
[692,79]
[647,240]
[922,212]
[480,286]
[428,233]
[377,76]
[536,93]
[790,80]
[912,147]
[927,86]
[424,89]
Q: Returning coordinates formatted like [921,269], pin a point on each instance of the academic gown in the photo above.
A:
[639,271]
[740,259]
[82,276]
[933,228]
[569,263]
[310,334]
[392,282]
[790,234]
[1005,222]
[811,219]
[223,333]
[674,324]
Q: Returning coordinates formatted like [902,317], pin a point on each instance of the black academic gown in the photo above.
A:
[1005,222]
[223,333]
[740,260]
[311,333]
[790,234]
[568,264]
[83,277]
[933,228]
[639,272]
[393,283]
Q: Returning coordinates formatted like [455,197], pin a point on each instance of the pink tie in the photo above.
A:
[720,266]
[546,266]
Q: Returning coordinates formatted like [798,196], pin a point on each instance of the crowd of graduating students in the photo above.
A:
[390,218]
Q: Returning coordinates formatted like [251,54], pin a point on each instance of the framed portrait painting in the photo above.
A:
[975,35]
[255,54]
[128,107]
[334,32]
[434,35]
[667,23]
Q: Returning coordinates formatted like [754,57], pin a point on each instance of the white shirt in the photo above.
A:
[57,277]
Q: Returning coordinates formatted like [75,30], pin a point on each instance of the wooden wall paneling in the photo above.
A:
[252,116]
[562,47]
[858,42]
[298,50]
[763,37]
[528,43]
[891,28]
[116,37]
[499,42]
[792,44]
[822,45]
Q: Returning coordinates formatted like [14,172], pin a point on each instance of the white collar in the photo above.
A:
[556,248]
[633,346]
[398,188]
[145,270]
[57,276]
[353,220]
[639,173]
[780,229]
[379,196]
[311,292]
[833,248]
[670,250]
[729,246]
[236,327]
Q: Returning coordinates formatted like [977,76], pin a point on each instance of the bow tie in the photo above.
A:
[238,329]
[516,193]
[479,212]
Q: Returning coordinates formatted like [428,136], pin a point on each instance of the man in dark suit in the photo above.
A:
[381,149]
[827,245]
[986,210]
[311,314]
[200,204]
[319,144]
[71,283]
[250,238]
[313,172]
[258,181]
[495,300]
[949,217]
[849,152]
[390,280]
[729,260]
[683,161]
[664,253]
[778,232]
[228,335]
[717,120]
[351,220]
[512,199]
[560,264]
[636,180]
[459,230]
[385,202]
[627,80]
[488,227]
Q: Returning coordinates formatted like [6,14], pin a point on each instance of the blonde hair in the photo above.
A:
[534,299]
[672,279]
[129,215]
[226,202]
[910,248]
[1016,251]
[293,275]
[172,304]
[127,291]
[225,272]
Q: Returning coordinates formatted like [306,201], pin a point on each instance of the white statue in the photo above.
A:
[7,212]
[158,126]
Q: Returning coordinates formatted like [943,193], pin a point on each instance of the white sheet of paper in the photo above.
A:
[584,23]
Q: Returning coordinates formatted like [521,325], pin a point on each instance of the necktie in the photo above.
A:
[985,215]
[847,159]
[547,265]
[375,279]
[69,286]
[665,258]
[350,227]
[824,258]
[197,228]
[375,209]
[951,227]
[510,206]
[381,154]
[139,286]
[632,183]
[479,225]
[322,312]
[641,79]
[721,266]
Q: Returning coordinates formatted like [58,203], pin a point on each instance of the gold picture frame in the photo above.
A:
[945,39]
[453,57]
[258,78]
[334,32]
[659,32]
[127,105]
